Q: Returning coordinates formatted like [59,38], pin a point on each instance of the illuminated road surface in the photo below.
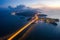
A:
[38,31]
[25,35]
[41,31]
[20,30]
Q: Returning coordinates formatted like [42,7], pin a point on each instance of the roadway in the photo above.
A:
[37,31]
[33,32]
[35,18]
[24,34]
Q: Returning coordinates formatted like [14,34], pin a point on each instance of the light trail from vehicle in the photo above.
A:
[20,30]
[26,34]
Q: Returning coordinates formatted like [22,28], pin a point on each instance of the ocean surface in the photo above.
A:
[10,23]
[44,31]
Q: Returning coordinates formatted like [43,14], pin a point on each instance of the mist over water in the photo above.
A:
[9,23]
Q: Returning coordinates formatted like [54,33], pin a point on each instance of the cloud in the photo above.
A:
[23,10]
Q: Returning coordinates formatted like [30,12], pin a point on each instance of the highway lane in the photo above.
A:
[36,34]
[20,30]
[26,34]
[42,31]
[39,31]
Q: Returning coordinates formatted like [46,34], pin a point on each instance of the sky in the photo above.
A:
[31,3]
[54,4]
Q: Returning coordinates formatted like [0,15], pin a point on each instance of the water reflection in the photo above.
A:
[44,31]
[9,24]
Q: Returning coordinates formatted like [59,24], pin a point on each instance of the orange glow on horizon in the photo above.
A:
[52,6]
